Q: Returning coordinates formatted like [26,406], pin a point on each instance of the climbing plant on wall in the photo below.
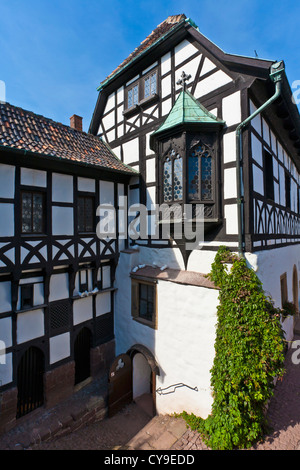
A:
[249,355]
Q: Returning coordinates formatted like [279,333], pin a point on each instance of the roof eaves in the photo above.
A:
[67,160]
[145,51]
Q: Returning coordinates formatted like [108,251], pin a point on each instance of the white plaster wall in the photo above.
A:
[103,303]
[6,369]
[7,223]
[183,344]
[5,296]
[82,310]
[166,63]
[6,331]
[231,106]
[211,83]
[62,221]
[230,190]
[256,148]
[257,179]
[270,264]
[59,287]
[86,184]
[229,147]
[230,211]
[183,51]
[59,347]
[131,151]
[150,171]
[31,177]
[106,192]
[62,188]
[30,325]
[7,181]
[185,354]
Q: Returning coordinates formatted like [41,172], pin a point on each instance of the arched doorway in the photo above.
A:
[144,372]
[82,352]
[295,288]
[131,376]
[30,381]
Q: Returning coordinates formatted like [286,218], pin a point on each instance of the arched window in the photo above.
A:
[200,169]
[172,177]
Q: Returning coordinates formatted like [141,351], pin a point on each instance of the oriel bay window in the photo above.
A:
[189,176]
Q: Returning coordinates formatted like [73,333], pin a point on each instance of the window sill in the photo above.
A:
[147,101]
[90,294]
[29,309]
[151,324]
[131,111]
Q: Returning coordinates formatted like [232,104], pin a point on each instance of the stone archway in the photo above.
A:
[144,372]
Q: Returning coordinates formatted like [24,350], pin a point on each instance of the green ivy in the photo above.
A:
[249,355]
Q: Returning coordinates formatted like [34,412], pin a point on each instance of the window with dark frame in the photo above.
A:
[268,175]
[143,301]
[32,212]
[85,213]
[283,289]
[141,91]
[150,85]
[26,296]
[132,96]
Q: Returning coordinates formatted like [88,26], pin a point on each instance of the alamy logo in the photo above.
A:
[2,352]
[179,221]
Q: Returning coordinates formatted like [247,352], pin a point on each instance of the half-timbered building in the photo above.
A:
[56,275]
[201,127]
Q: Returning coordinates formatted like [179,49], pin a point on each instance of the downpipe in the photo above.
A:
[276,75]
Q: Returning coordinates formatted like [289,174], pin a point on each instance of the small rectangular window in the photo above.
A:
[32,212]
[268,175]
[85,212]
[150,85]
[26,296]
[143,298]
[133,96]
[283,289]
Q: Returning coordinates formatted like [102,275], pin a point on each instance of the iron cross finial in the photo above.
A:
[184,78]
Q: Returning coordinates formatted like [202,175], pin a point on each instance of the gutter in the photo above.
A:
[276,75]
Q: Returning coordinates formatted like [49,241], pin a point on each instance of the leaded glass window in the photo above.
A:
[172,177]
[200,173]
[85,212]
[32,212]
[133,96]
[150,85]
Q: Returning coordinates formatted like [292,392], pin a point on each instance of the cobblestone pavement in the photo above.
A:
[133,426]
[283,415]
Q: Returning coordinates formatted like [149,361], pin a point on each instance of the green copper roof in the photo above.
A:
[187,110]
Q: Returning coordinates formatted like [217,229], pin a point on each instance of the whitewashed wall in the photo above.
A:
[183,344]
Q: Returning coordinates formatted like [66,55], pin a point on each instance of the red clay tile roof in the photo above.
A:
[24,130]
[158,32]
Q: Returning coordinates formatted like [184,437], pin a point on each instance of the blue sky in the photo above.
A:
[54,53]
